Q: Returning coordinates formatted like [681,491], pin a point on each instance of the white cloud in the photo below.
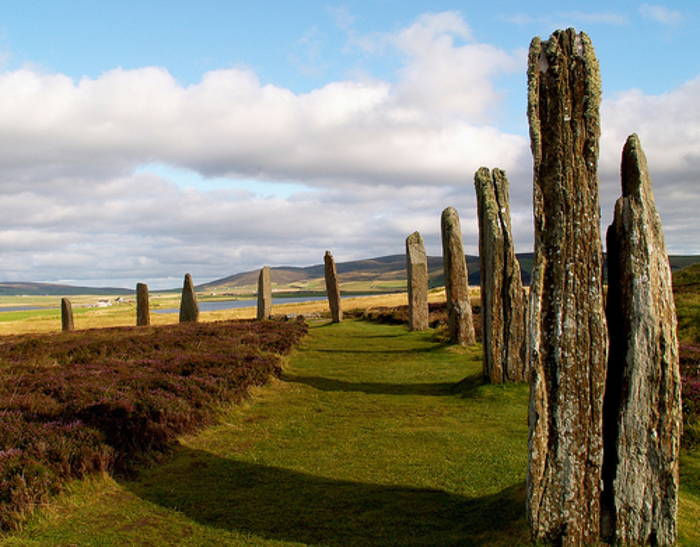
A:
[661,14]
[668,126]
[78,204]
[445,76]
[154,230]
[379,158]
[429,127]
[232,125]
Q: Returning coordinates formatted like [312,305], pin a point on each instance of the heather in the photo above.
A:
[686,290]
[690,377]
[373,436]
[100,400]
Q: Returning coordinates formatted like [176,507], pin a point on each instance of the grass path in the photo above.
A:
[369,438]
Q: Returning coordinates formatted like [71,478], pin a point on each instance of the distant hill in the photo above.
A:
[370,275]
[380,274]
[13,288]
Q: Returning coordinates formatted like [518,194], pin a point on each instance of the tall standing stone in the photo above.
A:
[143,313]
[189,308]
[332,288]
[459,310]
[568,336]
[643,413]
[66,315]
[417,273]
[503,304]
[264,294]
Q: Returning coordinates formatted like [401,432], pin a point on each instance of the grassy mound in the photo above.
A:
[82,402]
[398,315]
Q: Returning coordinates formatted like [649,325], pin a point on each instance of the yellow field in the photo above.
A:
[120,315]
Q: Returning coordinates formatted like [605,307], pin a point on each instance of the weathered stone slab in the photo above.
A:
[66,315]
[417,274]
[503,304]
[143,313]
[189,308]
[332,288]
[459,310]
[643,413]
[264,294]
[568,336]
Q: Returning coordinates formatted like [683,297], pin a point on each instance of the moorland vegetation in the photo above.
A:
[102,400]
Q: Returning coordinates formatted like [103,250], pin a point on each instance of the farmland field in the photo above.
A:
[124,314]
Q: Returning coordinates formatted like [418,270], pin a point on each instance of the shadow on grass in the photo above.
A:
[399,335]
[317,324]
[464,388]
[430,349]
[286,505]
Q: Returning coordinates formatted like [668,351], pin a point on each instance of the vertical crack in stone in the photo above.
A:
[502,295]
[643,412]
[568,337]
[417,282]
[264,294]
[332,288]
[459,311]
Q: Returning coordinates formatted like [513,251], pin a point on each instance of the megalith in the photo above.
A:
[568,335]
[503,304]
[643,414]
[66,315]
[459,310]
[417,274]
[332,288]
[143,314]
[264,294]
[189,308]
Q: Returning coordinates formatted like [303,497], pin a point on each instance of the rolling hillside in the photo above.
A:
[381,274]
[13,288]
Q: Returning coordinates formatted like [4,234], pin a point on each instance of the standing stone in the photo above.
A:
[143,314]
[568,336]
[189,309]
[503,305]
[66,315]
[332,288]
[459,310]
[417,270]
[643,411]
[264,294]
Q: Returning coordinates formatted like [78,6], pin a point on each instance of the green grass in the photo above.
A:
[373,436]
[29,315]
[686,286]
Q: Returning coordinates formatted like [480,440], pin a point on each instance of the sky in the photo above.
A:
[140,140]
